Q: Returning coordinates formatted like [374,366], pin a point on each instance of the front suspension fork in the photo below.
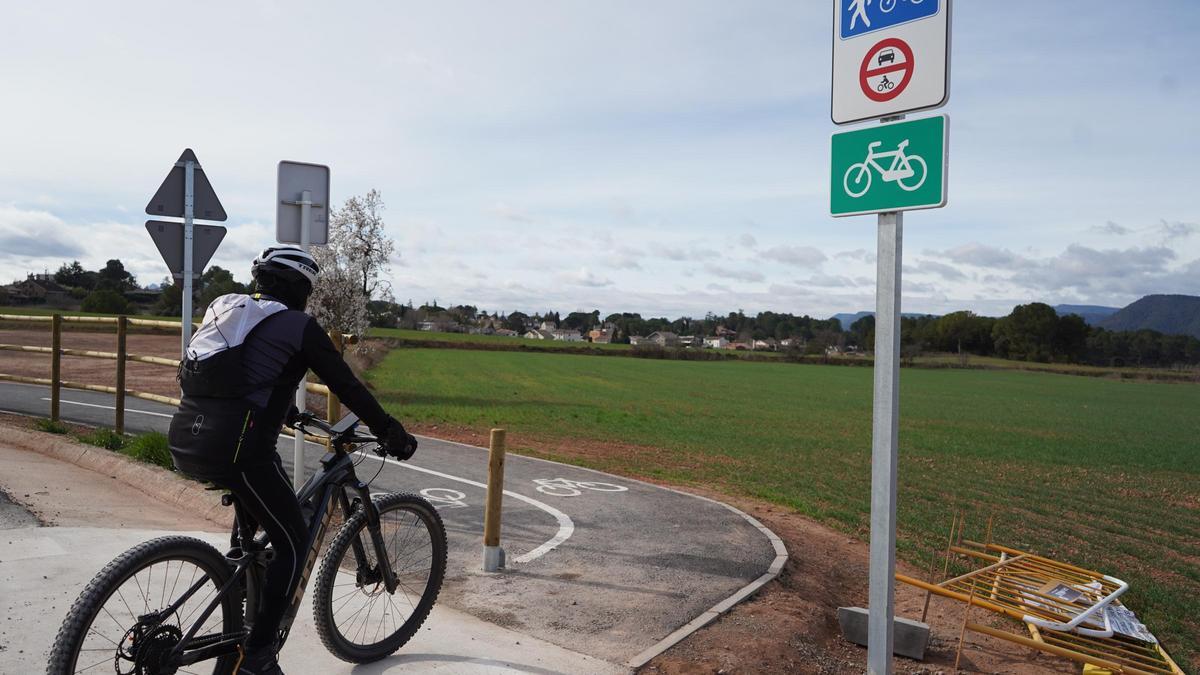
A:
[376,532]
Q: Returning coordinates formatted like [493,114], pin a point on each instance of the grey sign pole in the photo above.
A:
[189,187]
[306,205]
[885,441]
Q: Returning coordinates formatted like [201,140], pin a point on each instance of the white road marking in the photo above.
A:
[566,527]
[445,498]
[109,407]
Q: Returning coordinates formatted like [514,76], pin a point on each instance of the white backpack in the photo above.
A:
[213,359]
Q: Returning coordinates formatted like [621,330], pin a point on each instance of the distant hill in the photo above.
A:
[848,319]
[1169,314]
[1092,314]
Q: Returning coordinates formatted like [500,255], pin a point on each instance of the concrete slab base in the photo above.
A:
[909,639]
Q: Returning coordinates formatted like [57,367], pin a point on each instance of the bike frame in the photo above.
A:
[899,159]
[324,491]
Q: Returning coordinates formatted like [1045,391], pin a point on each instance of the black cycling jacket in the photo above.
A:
[211,435]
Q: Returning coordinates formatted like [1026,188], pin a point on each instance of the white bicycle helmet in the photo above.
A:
[287,262]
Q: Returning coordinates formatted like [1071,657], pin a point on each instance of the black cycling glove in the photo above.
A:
[396,441]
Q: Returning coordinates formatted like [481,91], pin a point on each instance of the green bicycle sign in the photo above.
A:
[897,166]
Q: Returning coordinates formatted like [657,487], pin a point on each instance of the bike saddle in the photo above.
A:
[874,145]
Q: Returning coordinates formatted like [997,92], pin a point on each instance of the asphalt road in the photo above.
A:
[599,564]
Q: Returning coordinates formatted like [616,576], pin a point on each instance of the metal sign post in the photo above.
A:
[303,185]
[889,58]
[885,443]
[306,205]
[185,193]
[189,184]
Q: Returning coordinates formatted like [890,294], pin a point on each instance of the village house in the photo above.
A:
[663,338]
[37,289]
[716,342]
[767,344]
[566,335]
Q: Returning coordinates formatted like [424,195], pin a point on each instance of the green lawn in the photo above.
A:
[1102,473]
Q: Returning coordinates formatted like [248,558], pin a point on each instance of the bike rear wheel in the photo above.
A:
[357,619]
[104,631]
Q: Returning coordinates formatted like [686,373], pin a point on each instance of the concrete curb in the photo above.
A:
[157,482]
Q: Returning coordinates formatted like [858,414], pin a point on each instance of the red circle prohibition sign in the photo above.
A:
[866,71]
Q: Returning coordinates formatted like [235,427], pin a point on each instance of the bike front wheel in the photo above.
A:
[917,179]
[357,619]
[110,626]
[861,182]
[886,6]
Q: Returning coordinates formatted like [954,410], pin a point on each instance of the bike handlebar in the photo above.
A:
[347,436]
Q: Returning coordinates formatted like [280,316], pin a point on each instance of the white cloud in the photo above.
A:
[735,274]
[796,256]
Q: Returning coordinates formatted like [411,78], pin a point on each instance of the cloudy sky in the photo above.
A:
[667,158]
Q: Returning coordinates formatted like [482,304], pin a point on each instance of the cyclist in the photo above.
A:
[239,378]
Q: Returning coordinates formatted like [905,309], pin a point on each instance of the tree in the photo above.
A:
[516,321]
[1070,337]
[105,301]
[115,277]
[352,265]
[72,274]
[863,331]
[215,282]
[357,240]
[1028,333]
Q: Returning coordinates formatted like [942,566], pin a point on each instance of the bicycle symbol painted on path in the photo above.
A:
[900,171]
[563,487]
[445,498]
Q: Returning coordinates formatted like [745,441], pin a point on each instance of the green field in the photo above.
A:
[1102,473]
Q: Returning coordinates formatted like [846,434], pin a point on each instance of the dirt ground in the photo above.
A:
[790,626]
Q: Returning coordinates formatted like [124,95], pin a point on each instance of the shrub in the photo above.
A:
[104,438]
[150,448]
[50,426]
[105,301]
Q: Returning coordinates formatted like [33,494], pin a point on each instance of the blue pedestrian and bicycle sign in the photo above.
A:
[867,16]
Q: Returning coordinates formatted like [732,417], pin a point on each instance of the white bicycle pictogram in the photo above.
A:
[900,169]
[445,498]
[563,487]
[886,6]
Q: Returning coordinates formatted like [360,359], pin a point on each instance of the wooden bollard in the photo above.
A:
[493,555]
[122,355]
[55,365]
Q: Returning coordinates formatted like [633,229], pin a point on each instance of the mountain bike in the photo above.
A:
[897,172]
[177,605]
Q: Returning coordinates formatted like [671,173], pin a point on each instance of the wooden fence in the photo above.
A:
[122,323]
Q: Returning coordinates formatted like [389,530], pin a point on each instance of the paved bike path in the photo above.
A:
[450,641]
[607,572]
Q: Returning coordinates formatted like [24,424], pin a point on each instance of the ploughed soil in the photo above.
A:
[789,626]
